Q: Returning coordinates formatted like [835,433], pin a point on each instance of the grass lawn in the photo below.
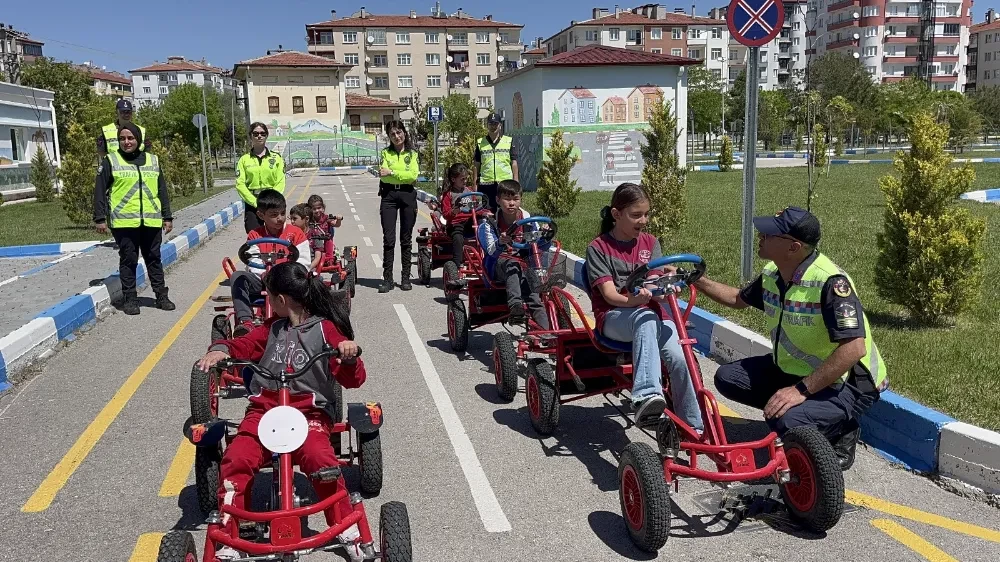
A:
[44,223]
[953,370]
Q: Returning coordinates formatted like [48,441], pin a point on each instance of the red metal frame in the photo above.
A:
[439,242]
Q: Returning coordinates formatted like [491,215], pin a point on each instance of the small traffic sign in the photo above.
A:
[435,113]
[755,22]
[198,120]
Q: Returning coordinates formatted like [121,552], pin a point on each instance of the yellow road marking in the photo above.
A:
[147,547]
[46,492]
[179,470]
[305,189]
[913,541]
[863,500]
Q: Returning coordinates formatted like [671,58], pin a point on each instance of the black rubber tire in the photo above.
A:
[458,335]
[207,461]
[805,444]
[338,402]
[540,386]
[424,265]
[370,462]
[221,330]
[395,541]
[640,467]
[177,546]
[201,391]
[449,271]
[564,316]
[351,280]
[505,369]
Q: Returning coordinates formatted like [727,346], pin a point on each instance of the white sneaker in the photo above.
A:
[352,546]
[227,553]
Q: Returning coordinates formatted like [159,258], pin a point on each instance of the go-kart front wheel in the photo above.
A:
[350,281]
[177,546]
[221,330]
[449,272]
[644,496]
[543,396]
[395,542]
[204,395]
[207,461]
[505,365]
[458,325]
[370,462]
[424,265]
[815,494]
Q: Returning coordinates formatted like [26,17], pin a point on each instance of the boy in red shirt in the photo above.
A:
[300,216]
[247,285]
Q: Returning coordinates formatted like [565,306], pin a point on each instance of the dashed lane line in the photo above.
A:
[912,541]
[146,548]
[368,241]
[179,470]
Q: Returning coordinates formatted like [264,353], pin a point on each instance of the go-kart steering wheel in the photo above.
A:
[477,201]
[540,236]
[662,282]
[247,258]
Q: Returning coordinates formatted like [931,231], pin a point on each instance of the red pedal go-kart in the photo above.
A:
[434,247]
[586,363]
[277,534]
[342,268]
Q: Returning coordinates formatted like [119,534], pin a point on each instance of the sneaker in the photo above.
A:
[227,553]
[386,285]
[516,312]
[649,410]
[405,284]
[243,329]
[352,546]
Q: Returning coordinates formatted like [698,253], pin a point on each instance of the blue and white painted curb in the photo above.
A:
[59,323]
[40,250]
[901,430]
[983,195]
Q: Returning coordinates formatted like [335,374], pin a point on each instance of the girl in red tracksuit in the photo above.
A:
[455,185]
[307,316]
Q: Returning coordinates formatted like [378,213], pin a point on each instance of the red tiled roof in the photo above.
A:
[603,55]
[985,26]
[538,51]
[372,20]
[356,100]
[615,100]
[580,93]
[99,74]
[293,58]
[185,65]
[649,89]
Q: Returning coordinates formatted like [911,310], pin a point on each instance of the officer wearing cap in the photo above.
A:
[496,160]
[825,369]
[107,141]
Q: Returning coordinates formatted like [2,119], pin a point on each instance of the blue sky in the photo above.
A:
[226,32]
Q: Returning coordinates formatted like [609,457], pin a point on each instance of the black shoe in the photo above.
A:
[649,410]
[404,283]
[131,305]
[516,313]
[162,302]
[846,445]
[386,285]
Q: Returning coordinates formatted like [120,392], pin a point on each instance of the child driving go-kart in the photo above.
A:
[621,248]
[453,186]
[307,318]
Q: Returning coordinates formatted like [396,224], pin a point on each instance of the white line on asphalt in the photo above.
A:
[368,241]
[40,268]
[346,196]
[377,259]
[489,508]
[361,227]
[357,218]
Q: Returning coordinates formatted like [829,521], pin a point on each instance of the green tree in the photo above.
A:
[557,193]
[77,175]
[704,100]
[771,116]
[839,112]
[737,103]
[838,74]
[964,122]
[662,177]
[175,162]
[930,252]
[41,175]
[464,152]
[183,103]
[726,154]
[986,101]
[554,118]
[72,92]
[461,118]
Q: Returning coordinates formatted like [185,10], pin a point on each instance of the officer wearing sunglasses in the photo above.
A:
[257,170]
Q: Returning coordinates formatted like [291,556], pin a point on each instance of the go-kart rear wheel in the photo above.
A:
[395,543]
[177,546]
[424,265]
[221,330]
[338,402]
[505,365]
[351,280]
[542,396]
[458,325]
[207,461]
[204,395]
[815,494]
[644,496]
[370,462]
[449,272]
[563,314]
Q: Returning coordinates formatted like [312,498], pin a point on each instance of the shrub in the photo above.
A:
[726,154]
[557,193]
[41,176]
[662,177]
[77,175]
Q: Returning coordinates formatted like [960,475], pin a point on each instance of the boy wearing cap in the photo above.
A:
[496,160]
[107,141]
[825,369]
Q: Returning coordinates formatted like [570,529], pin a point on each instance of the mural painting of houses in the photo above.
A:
[642,101]
[614,110]
[579,107]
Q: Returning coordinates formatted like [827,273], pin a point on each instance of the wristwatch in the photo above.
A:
[802,388]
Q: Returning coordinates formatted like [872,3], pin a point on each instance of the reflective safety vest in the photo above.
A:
[405,166]
[496,164]
[111,137]
[799,337]
[134,198]
[254,175]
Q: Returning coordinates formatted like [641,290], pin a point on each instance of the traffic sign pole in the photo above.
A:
[199,120]
[435,114]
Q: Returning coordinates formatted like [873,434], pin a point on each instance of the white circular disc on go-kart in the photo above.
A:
[282,429]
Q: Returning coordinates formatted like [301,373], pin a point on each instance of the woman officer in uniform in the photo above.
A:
[400,168]
[257,170]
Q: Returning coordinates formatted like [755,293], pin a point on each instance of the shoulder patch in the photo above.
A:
[841,287]
[847,316]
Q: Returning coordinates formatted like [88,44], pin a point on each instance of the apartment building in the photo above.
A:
[983,67]
[150,84]
[396,57]
[16,49]
[895,39]
[105,82]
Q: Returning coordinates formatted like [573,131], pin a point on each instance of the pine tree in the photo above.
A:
[662,177]
[930,254]
[726,155]
[464,151]
[175,162]
[77,175]
[41,176]
[557,193]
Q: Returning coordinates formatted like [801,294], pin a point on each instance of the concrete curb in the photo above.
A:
[37,250]
[901,430]
[983,195]
[59,323]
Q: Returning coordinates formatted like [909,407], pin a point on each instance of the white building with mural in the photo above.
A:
[600,97]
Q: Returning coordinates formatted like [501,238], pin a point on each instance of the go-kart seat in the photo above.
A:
[601,339]
[259,302]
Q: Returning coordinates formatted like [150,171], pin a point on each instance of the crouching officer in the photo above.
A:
[825,369]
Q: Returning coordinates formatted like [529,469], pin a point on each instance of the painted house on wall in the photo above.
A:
[601,98]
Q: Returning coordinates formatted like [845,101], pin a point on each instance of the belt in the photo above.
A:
[394,187]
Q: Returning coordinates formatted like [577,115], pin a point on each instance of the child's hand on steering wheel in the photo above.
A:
[348,351]
[504,239]
[210,359]
[640,299]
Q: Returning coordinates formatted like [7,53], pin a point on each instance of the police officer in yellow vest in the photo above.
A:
[130,197]
[107,141]
[825,369]
[258,170]
[400,166]
[496,160]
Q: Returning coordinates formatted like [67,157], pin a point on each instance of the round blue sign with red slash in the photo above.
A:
[755,22]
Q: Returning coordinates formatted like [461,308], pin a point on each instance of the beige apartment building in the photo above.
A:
[396,57]
[983,68]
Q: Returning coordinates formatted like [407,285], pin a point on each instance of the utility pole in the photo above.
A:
[233,124]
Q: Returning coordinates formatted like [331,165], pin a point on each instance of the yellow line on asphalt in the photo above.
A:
[302,196]
[146,548]
[179,470]
[913,541]
[46,492]
[863,500]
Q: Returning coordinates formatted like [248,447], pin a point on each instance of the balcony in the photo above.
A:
[511,46]
[460,85]
[459,66]
[905,39]
[784,54]
[459,41]
[902,18]
[841,43]
[844,4]
[899,59]
[842,24]
[945,58]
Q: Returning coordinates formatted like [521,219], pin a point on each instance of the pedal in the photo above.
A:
[668,439]
[580,387]
[223,298]
[750,499]
[326,475]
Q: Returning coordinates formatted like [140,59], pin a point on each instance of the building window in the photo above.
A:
[379,37]
[634,36]
[320,104]
[593,35]
[656,33]
[350,37]
[147,90]
[733,54]
[694,53]
[163,78]
[380,61]
[717,53]
[380,82]
[189,76]
[871,51]
[145,78]
[272,104]
[433,59]
[485,102]
[321,79]
[677,33]
[483,79]
[676,52]
[402,38]
[351,58]
[326,38]
[404,81]
[656,51]
[163,89]
[352,82]
[869,11]
[482,37]
[951,29]
[694,33]
[403,59]
[297,106]
[796,25]
[716,33]
[483,59]
[432,38]
[434,81]
[717,73]
[613,33]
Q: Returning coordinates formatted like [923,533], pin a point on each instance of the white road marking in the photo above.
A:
[368,241]
[346,196]
[378,260]
[361,227]
[357,218]
[489,508]
[40,268]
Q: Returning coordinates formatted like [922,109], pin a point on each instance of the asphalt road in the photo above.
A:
[94,467]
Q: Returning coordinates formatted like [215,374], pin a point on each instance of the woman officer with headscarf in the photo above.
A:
[130,198]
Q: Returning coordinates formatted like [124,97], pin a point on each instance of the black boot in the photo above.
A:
[162,301]
[406,263]
[131,304]
[846,445]
[404,281]
[387,255]
[386,285]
